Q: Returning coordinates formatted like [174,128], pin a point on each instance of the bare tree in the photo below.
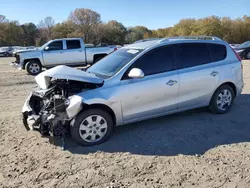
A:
[47,25]
[3,19]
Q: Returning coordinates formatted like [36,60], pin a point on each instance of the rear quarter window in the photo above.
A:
[218,52]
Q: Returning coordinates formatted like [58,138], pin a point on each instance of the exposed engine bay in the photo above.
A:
[50,111]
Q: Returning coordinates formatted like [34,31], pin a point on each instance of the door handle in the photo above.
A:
[171,82]
[214,73]
[61,52]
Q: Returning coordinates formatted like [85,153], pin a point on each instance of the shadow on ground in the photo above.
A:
[189,133]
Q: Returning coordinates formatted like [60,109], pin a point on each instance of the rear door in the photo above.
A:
[157,92]
[198,76]
[74,53]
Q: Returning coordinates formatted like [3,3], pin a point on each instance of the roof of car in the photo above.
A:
[150,43]
[143,45]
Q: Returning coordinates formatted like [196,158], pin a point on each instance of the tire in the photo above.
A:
[88,133]
[33,67]
[248,55]
[220,105]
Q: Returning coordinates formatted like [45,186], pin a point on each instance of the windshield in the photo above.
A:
[43,46]
[112,63]
[244,45]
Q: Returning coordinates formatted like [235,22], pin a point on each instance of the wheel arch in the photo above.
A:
[231,84]
[100,106]
[30,59]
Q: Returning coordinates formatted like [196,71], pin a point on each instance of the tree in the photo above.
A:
[12,34]
[29,31]
[85,20]
[136,33]
[3,19]
[63,30]
[114,32]
[47,25]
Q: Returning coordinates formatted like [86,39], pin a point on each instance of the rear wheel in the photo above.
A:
[33,67]
[92,127]
[222,100]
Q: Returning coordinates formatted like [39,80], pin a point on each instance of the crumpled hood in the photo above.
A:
[67,73]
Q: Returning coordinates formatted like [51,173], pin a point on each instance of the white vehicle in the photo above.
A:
[68,51]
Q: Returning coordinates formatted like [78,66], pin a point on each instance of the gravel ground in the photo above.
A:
[190,149]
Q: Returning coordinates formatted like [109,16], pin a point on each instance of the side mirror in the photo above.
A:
[46,48]
[136,73]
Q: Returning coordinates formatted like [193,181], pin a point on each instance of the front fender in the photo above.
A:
[115,106]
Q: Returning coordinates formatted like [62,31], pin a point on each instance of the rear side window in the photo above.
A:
[156,61]
[217,52]
[73,44]
[191,54]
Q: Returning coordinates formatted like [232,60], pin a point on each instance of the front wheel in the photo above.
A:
[92,127]
[33,67]
[222,100]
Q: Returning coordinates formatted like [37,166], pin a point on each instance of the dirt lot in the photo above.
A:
[191,149]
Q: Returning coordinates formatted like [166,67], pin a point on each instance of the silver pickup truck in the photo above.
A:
[68,51]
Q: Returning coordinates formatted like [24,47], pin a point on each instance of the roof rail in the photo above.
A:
[190,38]
[147,39]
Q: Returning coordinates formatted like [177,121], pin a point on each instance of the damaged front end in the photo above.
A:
[50,110]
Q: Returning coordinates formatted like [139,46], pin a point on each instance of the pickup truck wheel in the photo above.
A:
[33,67]
[92,127]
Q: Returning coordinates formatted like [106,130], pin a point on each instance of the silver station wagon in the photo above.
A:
[140,81]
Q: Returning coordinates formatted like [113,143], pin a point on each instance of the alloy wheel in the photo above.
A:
[224,99]
[34,68]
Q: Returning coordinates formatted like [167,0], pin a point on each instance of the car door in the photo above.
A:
[74,53]
[156,93]
[198,77]
[53,53]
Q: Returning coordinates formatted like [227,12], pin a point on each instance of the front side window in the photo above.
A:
[57,45]
[73,44]
[191,54]
[156,61]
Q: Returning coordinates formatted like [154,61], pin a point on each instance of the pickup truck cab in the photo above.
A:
[68,51]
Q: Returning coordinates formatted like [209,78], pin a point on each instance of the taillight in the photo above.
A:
[115,49]
[237,55]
